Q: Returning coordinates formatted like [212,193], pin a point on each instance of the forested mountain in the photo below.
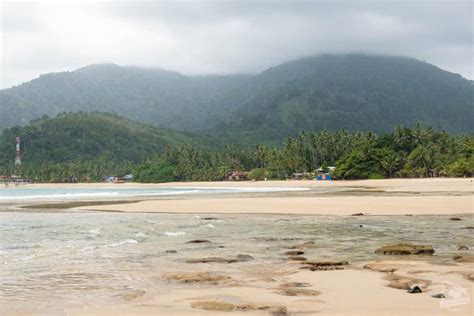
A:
[89,140]
[354,92]
[328,92]
[153,96]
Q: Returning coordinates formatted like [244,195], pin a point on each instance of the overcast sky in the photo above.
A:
[202,37]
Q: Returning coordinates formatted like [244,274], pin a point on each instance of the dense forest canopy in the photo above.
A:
[89,146]
[328,92]
[91,143]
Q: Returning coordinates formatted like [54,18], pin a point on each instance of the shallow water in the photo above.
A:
[53,260]
[22,194]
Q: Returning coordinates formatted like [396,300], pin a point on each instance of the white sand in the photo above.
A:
[407,196]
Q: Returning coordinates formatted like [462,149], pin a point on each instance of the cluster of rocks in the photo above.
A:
[405,249]
[323,265]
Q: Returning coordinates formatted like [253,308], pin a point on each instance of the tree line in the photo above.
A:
[406,152]
[415,152]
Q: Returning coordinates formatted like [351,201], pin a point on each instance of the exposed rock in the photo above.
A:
[210,218]
[265,239]
[440,295]
[382,266]
[462,247]
[358,214]
[278,311]
[198,277]
[405,249]
[455,219]
[197,241]
[309,244]
[322,268]
[213,260]
[464,259]
[242,257]
[219,306]
[405,283]
[213,306]
[296,292]
[294,284]
[414,289]
[469,227]
[238,258]
[296,258]
[326,263]
[171,251]
[294,253]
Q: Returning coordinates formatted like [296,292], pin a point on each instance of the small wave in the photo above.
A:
[124,242]
[210,225]
[174,233]
[140,234]
[95,231]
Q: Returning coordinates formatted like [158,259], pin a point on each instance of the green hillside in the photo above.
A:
[328,92]
[354,92]
[89,140]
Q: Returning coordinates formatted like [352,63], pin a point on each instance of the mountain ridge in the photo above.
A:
[353,91]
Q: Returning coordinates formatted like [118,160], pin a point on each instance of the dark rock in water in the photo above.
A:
[405,249]
[455,219]
[296,258]
[408,215]
[326,263]
[309,244]
[462,247]
[210,218]
[213,260]
[469,227]
[358,214]
[464,259]
[220,246]
[265,239]
[440,295]
[361,226]
[241,257]
[294,253]
[323,265]
[415,289]
[197,241]
[171,251]
[322,268]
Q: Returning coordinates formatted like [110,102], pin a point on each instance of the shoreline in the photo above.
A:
[257,287]
[437,196]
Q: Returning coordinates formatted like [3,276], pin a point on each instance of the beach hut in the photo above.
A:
[325,173]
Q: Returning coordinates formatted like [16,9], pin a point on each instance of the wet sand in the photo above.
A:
[374,197]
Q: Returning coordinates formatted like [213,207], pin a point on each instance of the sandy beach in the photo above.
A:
[374,197]
[258,271]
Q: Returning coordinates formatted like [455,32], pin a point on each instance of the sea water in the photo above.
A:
[50,261]
[11,193]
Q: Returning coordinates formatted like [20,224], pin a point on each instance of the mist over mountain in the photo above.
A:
[354,92]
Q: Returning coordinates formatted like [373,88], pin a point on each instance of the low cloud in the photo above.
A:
[227,36]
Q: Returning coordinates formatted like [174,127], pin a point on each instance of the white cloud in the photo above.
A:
[226,36]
